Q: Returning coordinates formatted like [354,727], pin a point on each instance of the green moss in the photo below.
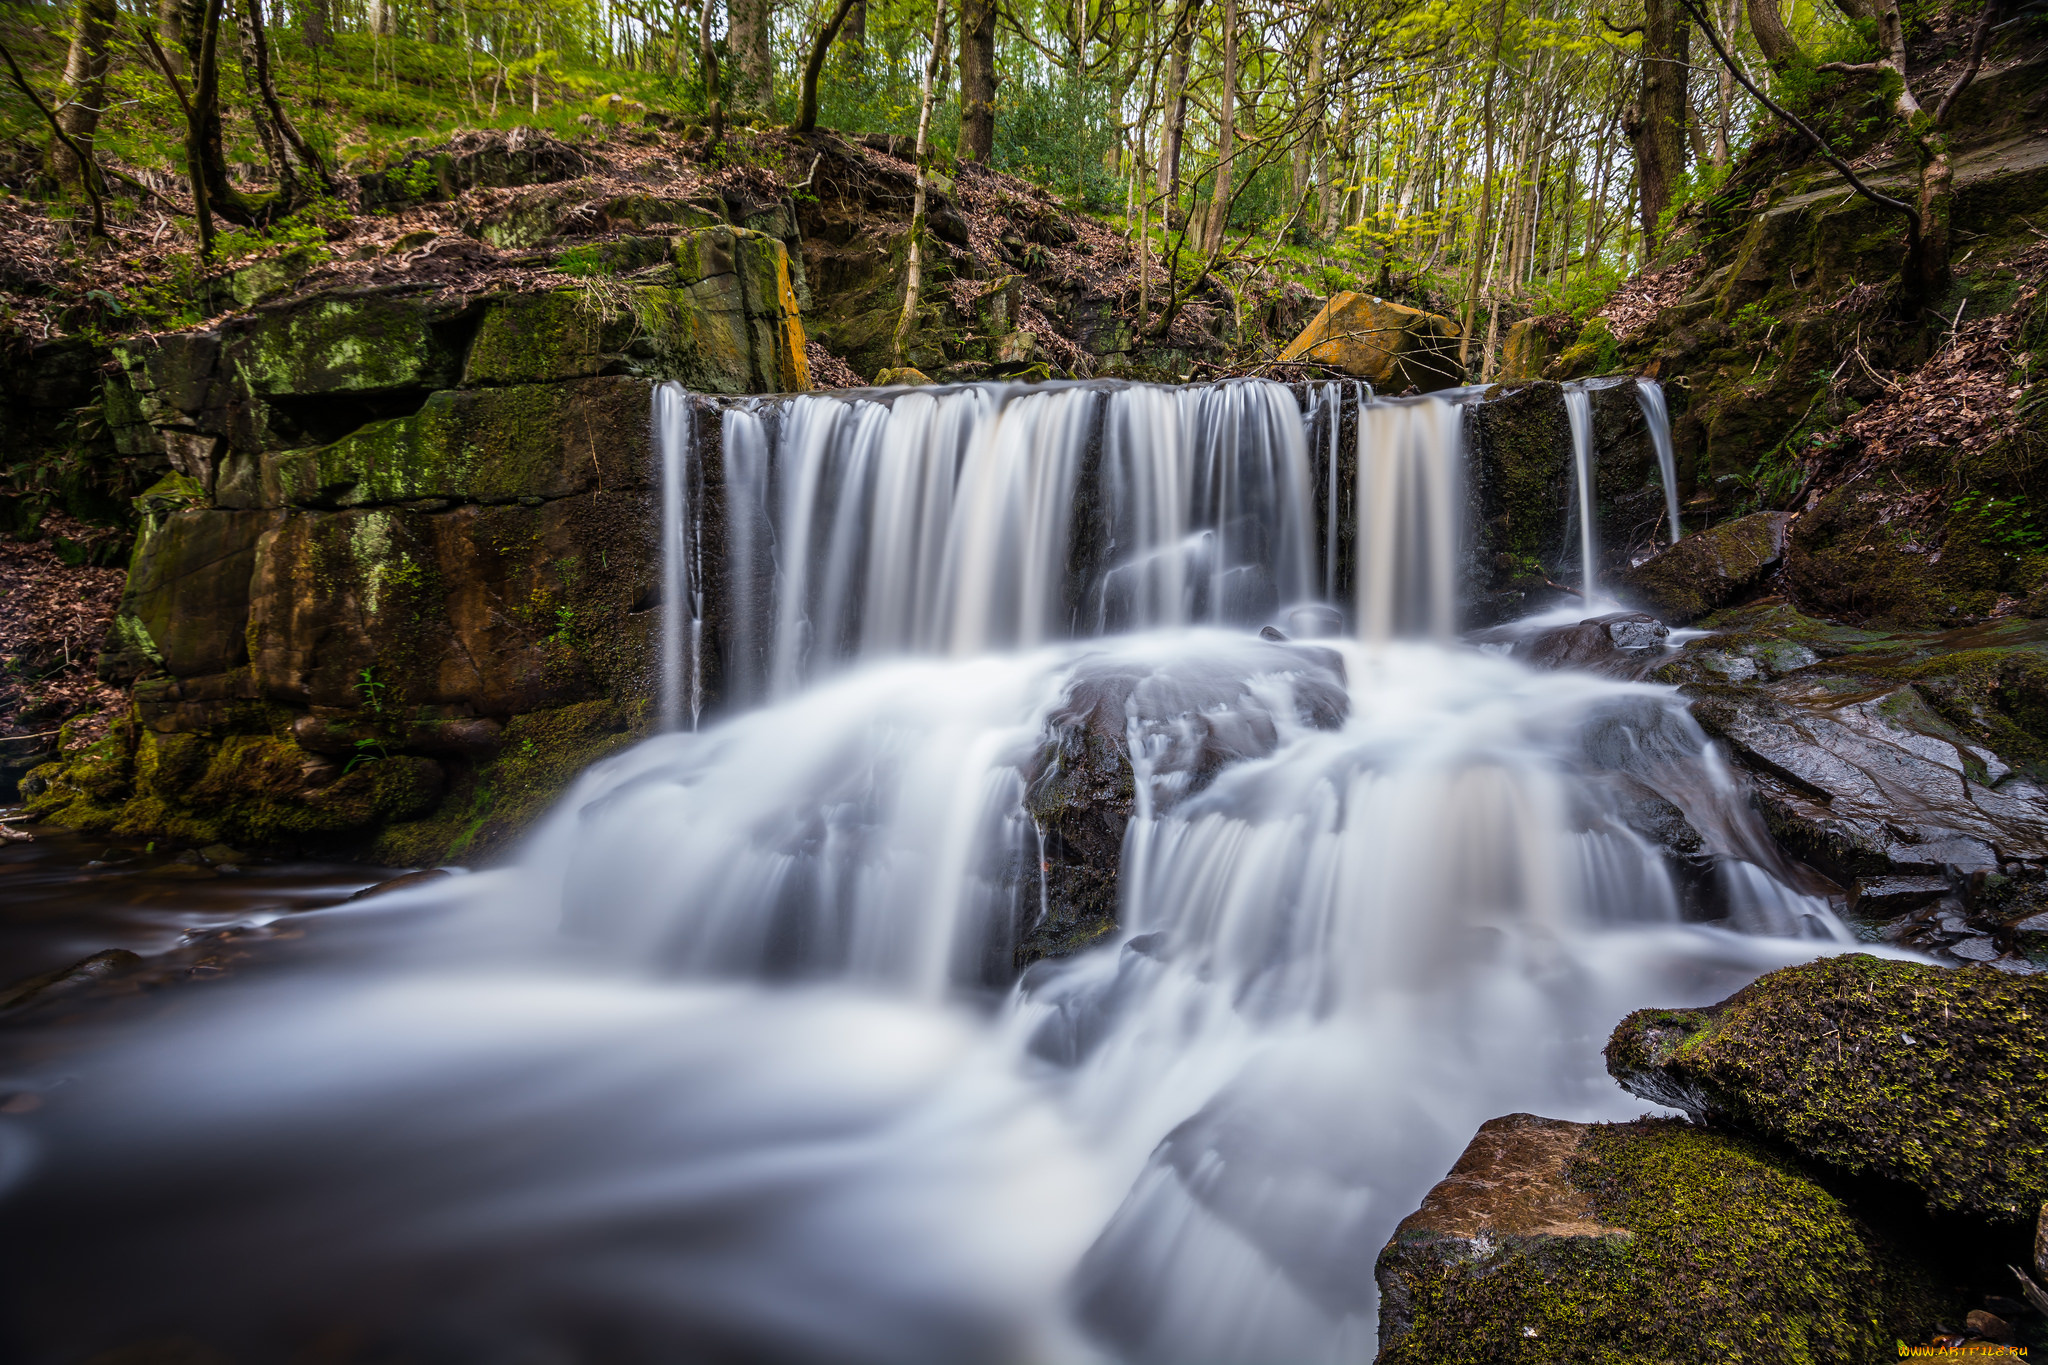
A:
[1716,1250]
[540,754]
[1933,1077]
[360,345]
[489,445]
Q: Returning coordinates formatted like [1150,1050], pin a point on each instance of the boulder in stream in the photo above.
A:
[1930,1077]
[1651,1240]
[1390,345]
[1708,569]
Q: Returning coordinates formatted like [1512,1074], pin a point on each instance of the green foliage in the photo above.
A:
[1061,133]
[2005,522]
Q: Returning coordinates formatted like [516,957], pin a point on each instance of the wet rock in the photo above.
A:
[1929,1077]
[1884,897]
[1863,779]
[1081,785]
[1620,644]
[406,882]
[101,966]
[1653,1240]
[1390,345]
[1988,1326]
[1708,569]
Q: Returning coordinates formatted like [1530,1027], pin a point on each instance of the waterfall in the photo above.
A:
[995,517]
[681,655]
[1410,498]
[1650,397]
[736,1060]
[1578,406]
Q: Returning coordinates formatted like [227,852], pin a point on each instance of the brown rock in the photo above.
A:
[1391,346]
[1989,1326]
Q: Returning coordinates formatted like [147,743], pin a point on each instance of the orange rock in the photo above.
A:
[1389,345]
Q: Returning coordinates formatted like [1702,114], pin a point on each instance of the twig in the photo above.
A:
[2033,1292]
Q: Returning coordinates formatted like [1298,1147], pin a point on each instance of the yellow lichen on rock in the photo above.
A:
[1389,345]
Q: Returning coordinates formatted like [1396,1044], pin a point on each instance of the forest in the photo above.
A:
[1505,157]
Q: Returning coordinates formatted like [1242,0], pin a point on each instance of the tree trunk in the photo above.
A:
[746,39]
[1176,108]
[1656,127]
[255,65]
[707,66]
[807,102]
[1772,40]
[1226,138]
[85,87]
[977,80]
[913,283]
[1485,193]
[853,34]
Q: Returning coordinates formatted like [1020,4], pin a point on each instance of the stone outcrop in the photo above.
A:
[1708,569]
[1652,1240]
[402,568]
[1929,1077]
[1081,786]
[1390,345]
[1523,540]
[1889,760]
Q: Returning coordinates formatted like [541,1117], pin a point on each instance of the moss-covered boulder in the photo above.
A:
[1390,345]
[1648,1241]
[1934,1078]
[1707,569]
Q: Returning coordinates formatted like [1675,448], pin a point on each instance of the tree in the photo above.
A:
[753,64]
[85,92]
[1656,125]
[913,284]
[977,79]
[1226,138]
[807,104]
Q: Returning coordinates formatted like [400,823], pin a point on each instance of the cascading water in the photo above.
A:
[1650,398]
[681,682]
[947,522]
[1578,407]
[731,1066]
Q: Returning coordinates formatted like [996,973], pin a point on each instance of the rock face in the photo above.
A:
[1885,759]
[1523,506]
[1391,346]
[1652,1240]
[1082,787]
[1707,569]
[1931,1077]
[1620,644]
[403,566]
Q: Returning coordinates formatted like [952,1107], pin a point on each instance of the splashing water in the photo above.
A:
[735,1064]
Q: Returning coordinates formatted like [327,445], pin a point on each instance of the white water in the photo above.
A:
[682,565]
[1650,398]
[729,1067]
[1578,406]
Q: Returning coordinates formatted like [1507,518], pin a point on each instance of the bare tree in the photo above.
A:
[914,276]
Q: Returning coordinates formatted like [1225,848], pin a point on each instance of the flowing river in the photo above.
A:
[733,1062]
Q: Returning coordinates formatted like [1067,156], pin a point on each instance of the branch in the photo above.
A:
[86,165]
[1969,73]
[1827,153]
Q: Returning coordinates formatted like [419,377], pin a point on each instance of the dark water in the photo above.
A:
[67,895]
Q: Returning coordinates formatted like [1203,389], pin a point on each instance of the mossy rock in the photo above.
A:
[540,755]
[371,343]
[1629,1243]
[1593,351]
[494,445]
[1707,569]
[1930,1077]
